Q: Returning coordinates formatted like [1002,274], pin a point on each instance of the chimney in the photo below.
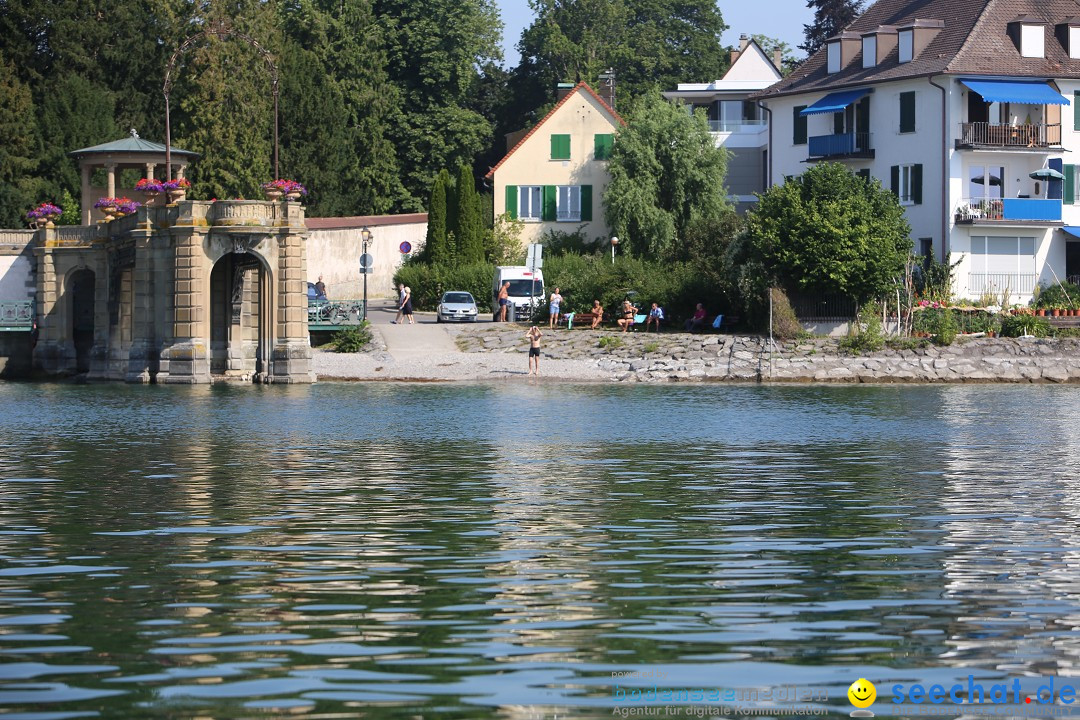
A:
[562,90]
[743,42]
[778,58]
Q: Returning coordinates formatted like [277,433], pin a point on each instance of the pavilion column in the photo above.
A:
[87,203]
[150,170]
[110,170]
[180,172]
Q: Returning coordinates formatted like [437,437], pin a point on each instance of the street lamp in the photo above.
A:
[614,242]
[366,235]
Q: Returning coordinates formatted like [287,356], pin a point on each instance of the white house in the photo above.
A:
[554,177]
[967,110]
[738,123]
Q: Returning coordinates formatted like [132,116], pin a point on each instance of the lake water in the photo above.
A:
[526,551]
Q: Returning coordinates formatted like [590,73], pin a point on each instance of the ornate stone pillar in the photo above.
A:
[291,354]
[187,358]
[141,355]
[110,171]
[86,203]
[49,352]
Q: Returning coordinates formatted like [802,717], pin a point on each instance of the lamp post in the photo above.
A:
[614,242]
[366,235]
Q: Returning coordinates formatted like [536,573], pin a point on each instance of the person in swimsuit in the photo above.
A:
[534,336]
[628,312]
[504,297]
[553,315]
[597,314]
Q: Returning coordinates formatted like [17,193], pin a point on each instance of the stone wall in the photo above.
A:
[641,357]
[334,247]
[17,265]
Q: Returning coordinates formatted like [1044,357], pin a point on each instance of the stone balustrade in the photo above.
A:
[72,236]
[16,238]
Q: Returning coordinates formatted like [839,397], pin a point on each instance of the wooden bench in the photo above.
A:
[582,319]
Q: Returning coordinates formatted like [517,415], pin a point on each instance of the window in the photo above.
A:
[986,182]
[799,132]
[834,56]
[999,263]
[869,51]
[906,181]
[1074,43]
[864,174]
[602,145]
[568,203]
[907,112]
[926,247]
[1032,41]
[530,206]
[560,147]
[907,45]
[1069,185]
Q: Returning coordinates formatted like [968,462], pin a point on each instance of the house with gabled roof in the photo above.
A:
[967,110]
[555,175]
[736,122]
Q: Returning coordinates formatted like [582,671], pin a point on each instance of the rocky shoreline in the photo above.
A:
[642,357]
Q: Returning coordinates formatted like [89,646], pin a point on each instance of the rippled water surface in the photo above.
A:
[500,551]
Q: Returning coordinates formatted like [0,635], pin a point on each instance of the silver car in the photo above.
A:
[456,306]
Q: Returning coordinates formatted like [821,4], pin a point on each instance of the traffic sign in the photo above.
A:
[367,263]
[405,247]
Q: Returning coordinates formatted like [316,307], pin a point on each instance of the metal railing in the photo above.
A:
[1002,135]
[1015,283]
[1074,279]
[17,315]
[568,215]
[839,144]
[1023,209]
[736,125]
[335,312]
[822,307]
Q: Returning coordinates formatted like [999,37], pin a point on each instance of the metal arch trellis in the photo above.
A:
[220,29]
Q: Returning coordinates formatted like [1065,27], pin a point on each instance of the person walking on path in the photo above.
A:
[534,336]
[320,289]
[400,304]
[504,298]
[406,305]
[553,315]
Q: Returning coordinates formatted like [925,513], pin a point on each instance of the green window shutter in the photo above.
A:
[602,144]
[907,112]
[548,213]
[560,147]
[1070,185]
[1076,110]
[916,184]
[894,180]
[511,201]
[799,136]
[586,203]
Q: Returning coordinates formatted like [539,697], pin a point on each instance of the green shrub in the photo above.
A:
[906,343]
[946,330]
[1068,332]
[1020,325]
[785,324]
[352,339]
[651,347]
[429,282]
[609,342]
[867,335]
[1062,295]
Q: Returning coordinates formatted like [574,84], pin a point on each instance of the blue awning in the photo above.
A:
[1073,230]
[835,102]
[1016,91]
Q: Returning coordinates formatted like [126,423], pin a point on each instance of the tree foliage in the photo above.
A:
[830,17]
[468,227]
[17,131]
[667,180]
[829,231]
[436,247]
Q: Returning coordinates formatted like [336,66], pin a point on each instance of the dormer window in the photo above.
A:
[1074,43]
[869,51]
[833,50]
[907,45]
[1068,34]
[1032,41]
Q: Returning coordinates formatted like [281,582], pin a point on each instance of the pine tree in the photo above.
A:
[469,229]
[17,130]
[435,249]
[830,17]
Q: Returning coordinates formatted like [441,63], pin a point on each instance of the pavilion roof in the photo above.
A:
[131,144]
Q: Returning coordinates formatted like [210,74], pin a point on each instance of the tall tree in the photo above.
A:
[17,131]
[469,228]
[667,179]
[830,17]
[434,48]
[436,249]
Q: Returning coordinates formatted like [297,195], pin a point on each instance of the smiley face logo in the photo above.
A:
[862,693]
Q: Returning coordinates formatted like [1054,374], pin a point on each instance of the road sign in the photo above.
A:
[367,263]
[405,247]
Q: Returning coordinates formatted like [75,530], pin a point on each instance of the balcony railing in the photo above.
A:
[997,135]
[736,125]
[15,316]
[840,145]
[1015,283]
[971,210]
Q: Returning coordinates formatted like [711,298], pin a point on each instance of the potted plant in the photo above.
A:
[127,206]
[176,189]
[150,188]
[289,188]
[109,206]
[44,215]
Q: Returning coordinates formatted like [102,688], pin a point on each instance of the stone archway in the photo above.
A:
[240,319]
[81,289]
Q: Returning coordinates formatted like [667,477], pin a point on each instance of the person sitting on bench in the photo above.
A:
[628,312]
[597,314]
[698,321]
[656,314]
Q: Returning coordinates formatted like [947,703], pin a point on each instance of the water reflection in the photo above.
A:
[498,550]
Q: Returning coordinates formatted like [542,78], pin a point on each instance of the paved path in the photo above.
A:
[405,342]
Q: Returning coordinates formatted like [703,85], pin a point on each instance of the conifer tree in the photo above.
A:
[469,229]
[830,17]
[436,250]
[17,130]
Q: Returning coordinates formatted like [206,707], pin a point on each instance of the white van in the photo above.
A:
[522,282]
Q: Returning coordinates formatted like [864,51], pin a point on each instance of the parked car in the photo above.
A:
[456,306]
